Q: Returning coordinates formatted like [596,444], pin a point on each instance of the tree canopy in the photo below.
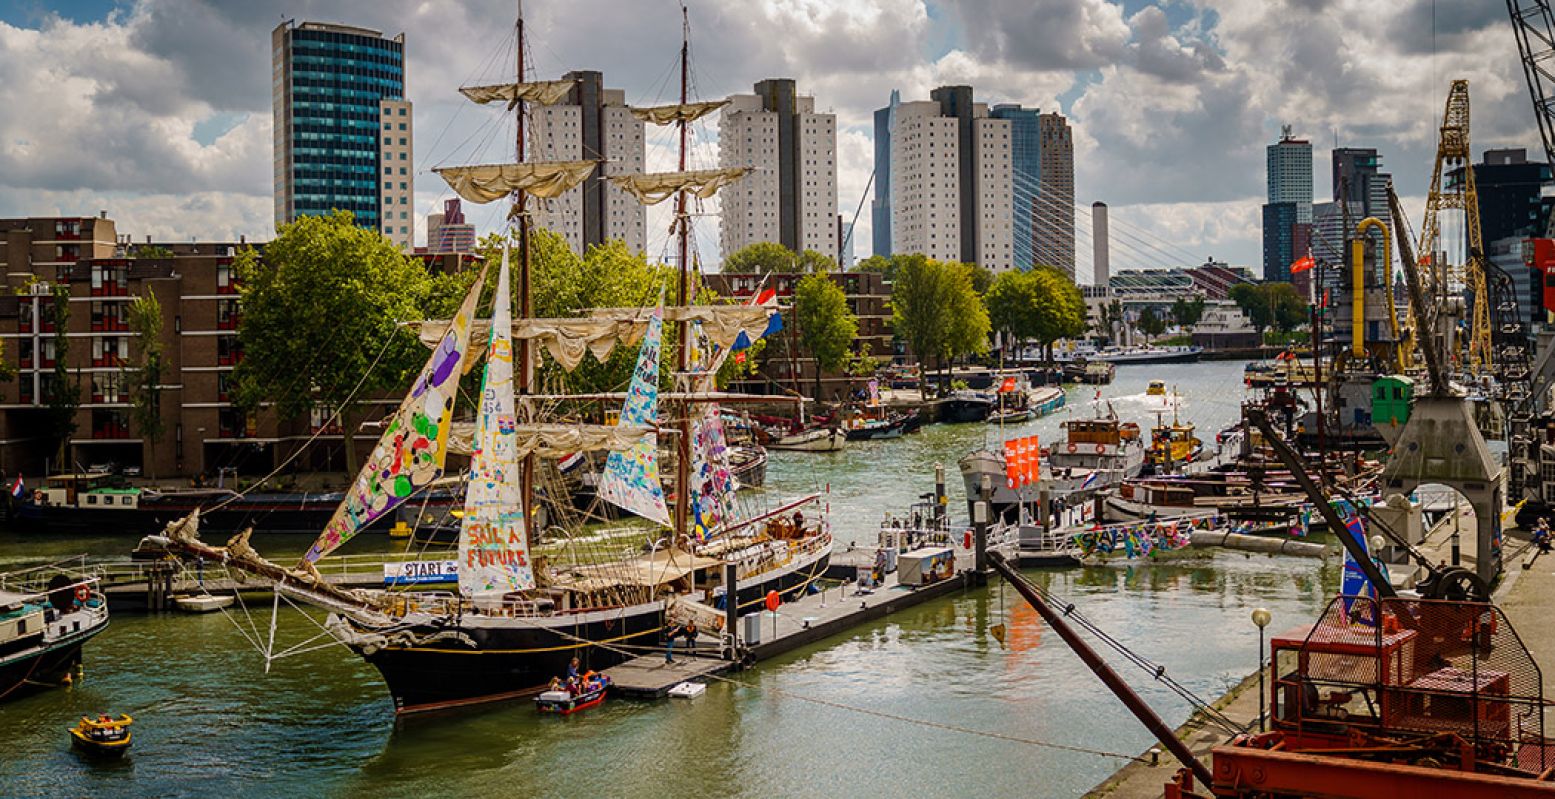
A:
[322,306]
[143,376]
[61,394]
[1150,324]
[1041,304]
[1187,313]
[826,326]
[1270,305]
[936,311]
[769,256]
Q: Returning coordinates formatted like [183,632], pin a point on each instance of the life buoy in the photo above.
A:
[1072,446]
[1101,449]
[83,593]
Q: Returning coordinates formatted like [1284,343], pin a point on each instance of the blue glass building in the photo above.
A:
[1026,169]
[342,126]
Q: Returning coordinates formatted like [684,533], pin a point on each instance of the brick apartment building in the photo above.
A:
[203,431]
[869,297]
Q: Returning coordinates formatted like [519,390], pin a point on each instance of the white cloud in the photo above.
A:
[1171,105]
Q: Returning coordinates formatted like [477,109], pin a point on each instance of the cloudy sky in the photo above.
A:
[159,110]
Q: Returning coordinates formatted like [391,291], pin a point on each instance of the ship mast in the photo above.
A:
[525,301]
[683,361]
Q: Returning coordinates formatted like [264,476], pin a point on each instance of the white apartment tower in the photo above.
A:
[952,194]
[592,123]
[790,194]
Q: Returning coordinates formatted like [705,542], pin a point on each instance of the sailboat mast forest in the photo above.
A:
[517,618]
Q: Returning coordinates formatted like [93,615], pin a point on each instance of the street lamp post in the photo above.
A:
[1261,618]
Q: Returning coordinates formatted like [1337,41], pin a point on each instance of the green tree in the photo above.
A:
[322,306]
[1270,305]
[826,326]
[1187,313]
[144,377]
[61,394]
[1041,304]
[936,311]
[982,279]
[1150,324]
[877,263]
[150,251]
[1109,317]
[769,256]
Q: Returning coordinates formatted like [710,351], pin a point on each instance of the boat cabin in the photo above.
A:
[1390,398]
[1160,495]
[21,622]
[90,491]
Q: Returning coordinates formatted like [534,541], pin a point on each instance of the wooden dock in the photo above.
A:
[649,677]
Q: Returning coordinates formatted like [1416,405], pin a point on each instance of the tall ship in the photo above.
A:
[47,614]
[520,616]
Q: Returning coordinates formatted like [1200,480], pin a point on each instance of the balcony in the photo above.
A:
[111,431]
[229,322]
[108,361]
[110,290]
[107,326]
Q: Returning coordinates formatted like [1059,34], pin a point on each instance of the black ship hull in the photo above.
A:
[44,669]
[476,660]
[961,411]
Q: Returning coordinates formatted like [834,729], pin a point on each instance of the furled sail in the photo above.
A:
[677,112]
[631,478]
[712,482]
[414,444]
[487,182]
[542,92]
[554,440]
[653,188]
[567,340]
[493,540]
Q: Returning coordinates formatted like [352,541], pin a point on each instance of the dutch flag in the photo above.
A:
[19,488]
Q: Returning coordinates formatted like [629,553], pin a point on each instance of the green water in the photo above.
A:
[211,722]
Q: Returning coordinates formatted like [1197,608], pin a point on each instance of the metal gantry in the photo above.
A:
[1452,150]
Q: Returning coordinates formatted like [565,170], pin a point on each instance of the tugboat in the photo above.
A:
[46,615]
[1172,445]
[1157,388]
[103,736]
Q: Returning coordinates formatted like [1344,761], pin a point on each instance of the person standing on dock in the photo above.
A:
[687,631]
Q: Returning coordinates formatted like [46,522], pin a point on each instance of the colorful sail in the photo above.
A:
[712,482]
[414,445]
[631,478]
[493,539]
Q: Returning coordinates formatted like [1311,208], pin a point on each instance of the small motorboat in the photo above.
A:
[102,736]
[201,603]
[1157,388]
[565,700]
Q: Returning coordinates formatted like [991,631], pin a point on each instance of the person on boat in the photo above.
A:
[573,669]
[798,521]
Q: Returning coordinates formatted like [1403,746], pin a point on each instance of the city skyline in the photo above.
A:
[1170,105]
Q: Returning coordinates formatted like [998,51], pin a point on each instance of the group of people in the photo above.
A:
[579,682]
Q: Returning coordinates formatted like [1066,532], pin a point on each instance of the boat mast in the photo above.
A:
[683,331]
[525,301]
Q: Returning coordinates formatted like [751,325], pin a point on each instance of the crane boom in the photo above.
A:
[1534,25]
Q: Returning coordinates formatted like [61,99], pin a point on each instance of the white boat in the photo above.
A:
[202,603]
[820,439]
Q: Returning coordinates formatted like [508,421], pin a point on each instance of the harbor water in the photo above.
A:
[925,702]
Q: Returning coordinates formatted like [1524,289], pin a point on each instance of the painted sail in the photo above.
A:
[712,482]
[540,92]
[677,112]
[414,444]
[631,477]
[655,187]
[493,540]
[488,182]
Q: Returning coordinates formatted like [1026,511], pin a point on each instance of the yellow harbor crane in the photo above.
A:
[1452,150]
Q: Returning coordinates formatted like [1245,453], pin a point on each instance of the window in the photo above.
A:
[402,126]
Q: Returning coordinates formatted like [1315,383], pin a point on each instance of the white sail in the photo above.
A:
[414,445]
[677,112]
[653,188]
[493,538]
[541,92]
[487,182]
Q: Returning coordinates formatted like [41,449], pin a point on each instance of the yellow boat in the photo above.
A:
[104,736]
[1157,388]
